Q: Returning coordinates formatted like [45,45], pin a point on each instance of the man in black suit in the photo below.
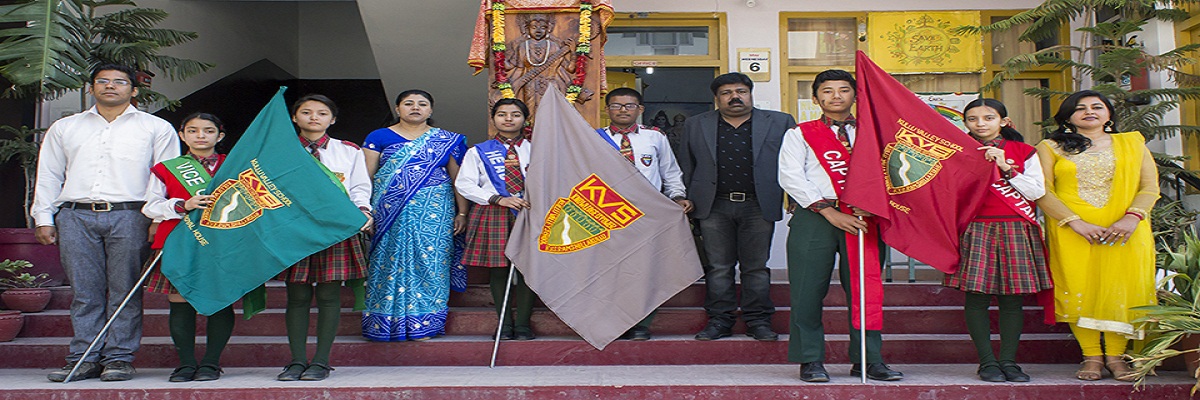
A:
[730,163]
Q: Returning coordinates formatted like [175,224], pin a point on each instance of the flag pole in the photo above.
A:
[862,304]
[503,309]
[113,317]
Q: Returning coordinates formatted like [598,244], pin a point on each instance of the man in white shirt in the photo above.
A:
[649,150]
[93,170]
[820,226]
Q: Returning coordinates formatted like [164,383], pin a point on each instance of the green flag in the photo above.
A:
[274,205]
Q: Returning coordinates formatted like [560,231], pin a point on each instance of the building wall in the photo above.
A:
[758,26]
[333,43]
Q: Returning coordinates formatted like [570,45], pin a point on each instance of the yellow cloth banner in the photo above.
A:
[906,42]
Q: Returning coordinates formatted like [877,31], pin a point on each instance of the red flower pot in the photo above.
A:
[28,300]
[20,244]
[11,322]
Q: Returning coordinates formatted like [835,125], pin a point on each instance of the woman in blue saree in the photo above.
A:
[414,262]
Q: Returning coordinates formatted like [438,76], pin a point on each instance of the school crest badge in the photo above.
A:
[239,202]
[585,218]
[647,159]
[914,158]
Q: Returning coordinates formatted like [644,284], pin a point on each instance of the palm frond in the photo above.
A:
[48,56]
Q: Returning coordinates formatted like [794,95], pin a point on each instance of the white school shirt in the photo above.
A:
[800,172]
[653,157]
[473,182]
[346,161]
[84,158]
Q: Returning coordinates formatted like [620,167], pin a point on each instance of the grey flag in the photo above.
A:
[600,245]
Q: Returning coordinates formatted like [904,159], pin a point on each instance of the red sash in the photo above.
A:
[1007,193]
[834,158]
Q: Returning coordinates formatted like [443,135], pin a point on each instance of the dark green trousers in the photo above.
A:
[812,244]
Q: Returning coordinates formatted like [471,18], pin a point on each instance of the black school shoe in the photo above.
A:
[316,372]
[990,372]
[208,372]
[814,372]
[292,372]
[713,332]
[185,373]
[877,371]
[762,333]
[1013,372]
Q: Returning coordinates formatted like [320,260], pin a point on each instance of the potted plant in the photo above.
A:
[11,322]
[1173,325]
[23,291]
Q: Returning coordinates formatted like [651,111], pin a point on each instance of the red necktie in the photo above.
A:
[626,147]
[514,180]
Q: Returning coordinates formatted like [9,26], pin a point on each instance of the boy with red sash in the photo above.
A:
[812,170]
[178,189]
[1002,253]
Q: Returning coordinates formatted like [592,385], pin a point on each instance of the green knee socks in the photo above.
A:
[220,328]
[1011,320]
[182,324]
[329,313]
[521,297]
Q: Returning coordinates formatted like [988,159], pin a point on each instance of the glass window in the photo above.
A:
[657,41]
[819,42]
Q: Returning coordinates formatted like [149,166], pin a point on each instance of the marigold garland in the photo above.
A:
[583,50]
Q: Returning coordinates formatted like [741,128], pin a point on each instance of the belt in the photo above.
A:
[104,206]
[736,197]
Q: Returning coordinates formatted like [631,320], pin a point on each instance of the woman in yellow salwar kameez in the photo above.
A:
[1100,186]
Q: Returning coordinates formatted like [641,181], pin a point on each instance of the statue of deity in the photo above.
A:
[538,59]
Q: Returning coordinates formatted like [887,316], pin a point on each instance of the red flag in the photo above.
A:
[920,174]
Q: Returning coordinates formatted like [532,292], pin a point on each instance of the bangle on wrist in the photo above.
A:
[1068,220]
[1137,212]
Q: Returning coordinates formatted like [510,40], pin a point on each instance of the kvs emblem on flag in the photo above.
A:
[241,201]
[585,218]
[915,158]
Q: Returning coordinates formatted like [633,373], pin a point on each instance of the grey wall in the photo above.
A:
[424,44]
[232,36]
[333,42]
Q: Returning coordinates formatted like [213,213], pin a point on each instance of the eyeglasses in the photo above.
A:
[115,82]
[619,106]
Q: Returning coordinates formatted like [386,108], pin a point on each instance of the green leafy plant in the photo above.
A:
[1177,312]
[15,277]
[61,40]
[1170,221]
[23,147]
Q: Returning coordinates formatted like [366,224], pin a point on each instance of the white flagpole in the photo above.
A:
[503,309]
[108,324]
[862,304]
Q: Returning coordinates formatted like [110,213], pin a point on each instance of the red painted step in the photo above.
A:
[247,351]
[895,294]
[482,321]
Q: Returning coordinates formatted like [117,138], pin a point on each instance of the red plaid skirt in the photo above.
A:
[488,227]
[1001,258]
[343,261]
[157,282]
